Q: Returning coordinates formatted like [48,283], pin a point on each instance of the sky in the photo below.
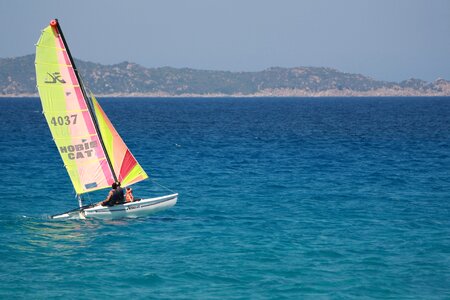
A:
[389,40]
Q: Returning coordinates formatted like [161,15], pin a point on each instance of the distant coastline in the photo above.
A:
[281,93]
[328,94]
[17,79]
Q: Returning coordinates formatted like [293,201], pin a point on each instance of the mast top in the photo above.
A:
[54,22]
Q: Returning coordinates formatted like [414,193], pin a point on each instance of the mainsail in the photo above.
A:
[93,153]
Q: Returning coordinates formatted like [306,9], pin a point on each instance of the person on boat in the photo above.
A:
[115,195]
[129,195]
[121,197]
[108,200]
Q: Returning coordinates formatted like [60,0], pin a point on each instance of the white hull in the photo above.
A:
[141,208]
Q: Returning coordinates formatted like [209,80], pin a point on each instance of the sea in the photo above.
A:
[279,198]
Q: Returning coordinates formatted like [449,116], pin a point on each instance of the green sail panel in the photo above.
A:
[68,117]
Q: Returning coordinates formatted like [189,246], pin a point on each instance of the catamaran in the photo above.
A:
[94,154]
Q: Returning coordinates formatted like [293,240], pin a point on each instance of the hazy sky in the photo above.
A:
[385,39]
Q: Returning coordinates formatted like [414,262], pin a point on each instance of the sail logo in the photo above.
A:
[79,151]
[55,77]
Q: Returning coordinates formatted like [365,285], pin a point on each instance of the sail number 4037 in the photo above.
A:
[64,120]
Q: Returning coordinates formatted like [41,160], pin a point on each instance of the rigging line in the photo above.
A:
[160,185]
[89,200]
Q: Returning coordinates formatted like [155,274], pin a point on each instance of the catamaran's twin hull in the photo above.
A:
[134,209]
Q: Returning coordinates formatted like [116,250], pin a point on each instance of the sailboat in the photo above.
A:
[94,154]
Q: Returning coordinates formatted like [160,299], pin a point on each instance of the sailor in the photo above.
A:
[119,192]
[115,195]
[129,195]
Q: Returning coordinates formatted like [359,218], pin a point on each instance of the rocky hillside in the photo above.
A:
[17,78]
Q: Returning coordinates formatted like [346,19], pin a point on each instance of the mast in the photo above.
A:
[55,25]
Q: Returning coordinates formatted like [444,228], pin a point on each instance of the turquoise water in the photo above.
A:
[279,199]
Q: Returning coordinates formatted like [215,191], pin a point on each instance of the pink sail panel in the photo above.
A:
[68,117]
[102,179]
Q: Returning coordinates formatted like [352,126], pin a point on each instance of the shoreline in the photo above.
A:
[324,94]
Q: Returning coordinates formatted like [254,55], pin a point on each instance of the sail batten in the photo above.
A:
[73,119]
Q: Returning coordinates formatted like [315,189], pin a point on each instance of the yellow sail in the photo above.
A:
[68,114]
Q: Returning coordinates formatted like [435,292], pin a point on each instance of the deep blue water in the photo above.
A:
[279,199]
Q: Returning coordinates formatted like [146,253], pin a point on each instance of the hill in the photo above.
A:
[17,78]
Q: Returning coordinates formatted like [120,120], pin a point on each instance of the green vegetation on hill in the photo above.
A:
[17,78]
